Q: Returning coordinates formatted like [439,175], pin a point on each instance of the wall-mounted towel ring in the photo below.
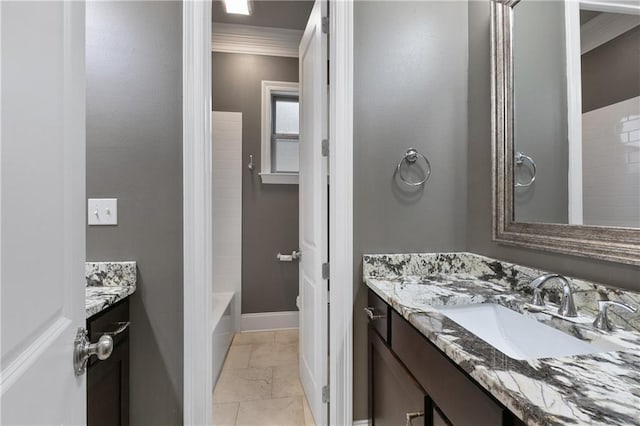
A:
[521,157]
[411,156]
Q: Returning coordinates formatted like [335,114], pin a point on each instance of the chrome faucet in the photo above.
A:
[602,320]
[567,306]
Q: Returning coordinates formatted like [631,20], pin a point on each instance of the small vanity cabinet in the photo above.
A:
[108,380]
[411,382]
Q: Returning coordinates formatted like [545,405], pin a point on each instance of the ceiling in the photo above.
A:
[292,14]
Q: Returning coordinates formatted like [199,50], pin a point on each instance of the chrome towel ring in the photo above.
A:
[521,157]
[411,156]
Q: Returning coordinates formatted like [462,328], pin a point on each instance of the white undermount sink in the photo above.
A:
[516,335]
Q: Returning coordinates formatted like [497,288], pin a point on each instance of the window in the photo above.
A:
[284,137]
[280,132]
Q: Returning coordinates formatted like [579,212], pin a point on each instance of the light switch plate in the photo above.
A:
[102,211]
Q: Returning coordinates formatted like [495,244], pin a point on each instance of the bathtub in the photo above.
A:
[222,329]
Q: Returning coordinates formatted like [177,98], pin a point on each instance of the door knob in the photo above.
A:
[84,349]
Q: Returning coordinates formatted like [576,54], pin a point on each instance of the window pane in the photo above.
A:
[286,155]
[286,116]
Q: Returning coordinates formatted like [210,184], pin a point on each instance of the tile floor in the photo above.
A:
[259,383]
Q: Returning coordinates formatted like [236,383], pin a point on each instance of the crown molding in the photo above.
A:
[604,28]
[235,38]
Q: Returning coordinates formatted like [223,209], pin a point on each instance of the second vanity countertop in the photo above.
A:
[107,284]
[596,389]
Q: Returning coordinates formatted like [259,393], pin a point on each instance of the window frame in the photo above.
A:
[269,90]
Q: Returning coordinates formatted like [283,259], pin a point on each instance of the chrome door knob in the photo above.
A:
[103,348]
[83,350]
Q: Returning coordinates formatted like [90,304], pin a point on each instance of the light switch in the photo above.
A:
[102,211]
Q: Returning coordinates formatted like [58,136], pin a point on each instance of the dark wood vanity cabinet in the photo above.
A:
[408,374]
[108,380]
[395,397]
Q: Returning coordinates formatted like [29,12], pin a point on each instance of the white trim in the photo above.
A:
[269,321]
[362,422]
[197,212]
[629,7]
[341,212]
[270,88]
[605,27]
[574,111]
[2,373]
[253,40]
[280,178]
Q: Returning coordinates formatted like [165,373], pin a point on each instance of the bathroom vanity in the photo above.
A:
[412,382]
[427,367]
[109,285]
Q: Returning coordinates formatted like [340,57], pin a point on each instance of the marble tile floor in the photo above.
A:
[259,382]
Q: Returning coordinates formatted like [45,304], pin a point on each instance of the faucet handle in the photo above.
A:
[602,320]
[536,285]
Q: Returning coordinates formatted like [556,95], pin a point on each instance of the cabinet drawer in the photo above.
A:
[457,395]
[380,310]
[109,321]
[393,392]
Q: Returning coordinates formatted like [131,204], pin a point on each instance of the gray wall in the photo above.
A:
[540,110]
[269,212]
[410,91]
[479,174]
[134,153]
[611,72]
[421,86]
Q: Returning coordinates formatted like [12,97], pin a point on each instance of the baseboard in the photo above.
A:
[361,422]
[269,321]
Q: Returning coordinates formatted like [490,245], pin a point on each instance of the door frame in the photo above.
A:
[341,212]
[197,170]
[198,212]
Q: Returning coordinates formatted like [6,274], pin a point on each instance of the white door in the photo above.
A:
[313,213]
[42,226]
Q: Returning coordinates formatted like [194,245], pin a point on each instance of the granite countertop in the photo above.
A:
[107,284]
[596,389]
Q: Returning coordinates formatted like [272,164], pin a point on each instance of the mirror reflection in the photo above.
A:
[576,112]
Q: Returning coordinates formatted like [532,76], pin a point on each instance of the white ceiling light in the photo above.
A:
[239,7]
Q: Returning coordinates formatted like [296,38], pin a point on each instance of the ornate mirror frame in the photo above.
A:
[606,243]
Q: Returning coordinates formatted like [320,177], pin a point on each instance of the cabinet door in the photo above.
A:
[395,398]
[108,389]
[108,380]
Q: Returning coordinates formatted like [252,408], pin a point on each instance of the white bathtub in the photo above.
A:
[222,329]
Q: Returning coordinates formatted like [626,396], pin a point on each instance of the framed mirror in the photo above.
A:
[566,126]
